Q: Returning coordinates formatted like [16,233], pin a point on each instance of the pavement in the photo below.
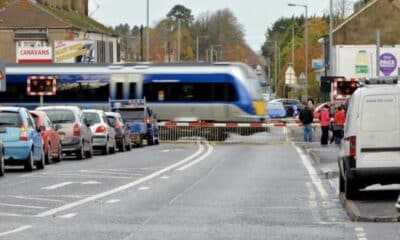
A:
[374,204]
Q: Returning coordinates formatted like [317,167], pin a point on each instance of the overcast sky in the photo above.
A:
[255,15]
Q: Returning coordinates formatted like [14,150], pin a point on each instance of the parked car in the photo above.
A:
[102,132]
[2,168]
[289,105]
[275,110]
[75,135]
[23,144]
[52,142]
[122,134]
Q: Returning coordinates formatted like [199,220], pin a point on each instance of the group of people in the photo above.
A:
[306,117]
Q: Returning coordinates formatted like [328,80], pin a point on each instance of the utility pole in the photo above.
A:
[179,39]
[378,52]
[147,33]
[331,64]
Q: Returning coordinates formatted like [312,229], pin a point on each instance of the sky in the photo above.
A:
[256,16]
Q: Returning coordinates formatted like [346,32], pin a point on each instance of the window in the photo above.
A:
[132,91]
[60,116]
[9,119]
[192,92]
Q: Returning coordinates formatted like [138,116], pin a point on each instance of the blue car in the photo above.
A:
[22,142]
[276,110]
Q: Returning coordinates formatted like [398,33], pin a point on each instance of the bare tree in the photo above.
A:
[343,8]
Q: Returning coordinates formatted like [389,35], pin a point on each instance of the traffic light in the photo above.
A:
[346,87]
[41,86]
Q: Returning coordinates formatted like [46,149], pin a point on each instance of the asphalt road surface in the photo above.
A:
[180,191]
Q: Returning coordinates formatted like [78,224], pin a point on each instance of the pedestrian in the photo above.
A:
[311,104]
[324,118]
[306,118]
[338,125]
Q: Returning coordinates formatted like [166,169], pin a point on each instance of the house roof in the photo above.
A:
[354,15]
[26,14]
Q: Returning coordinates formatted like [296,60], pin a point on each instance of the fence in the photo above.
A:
[262,133]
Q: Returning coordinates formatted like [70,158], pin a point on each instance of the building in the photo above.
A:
[355,40]
[58,31]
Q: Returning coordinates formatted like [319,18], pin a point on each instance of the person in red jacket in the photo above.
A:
[338,124]
[324,118]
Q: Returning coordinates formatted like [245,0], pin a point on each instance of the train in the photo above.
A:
[209,92]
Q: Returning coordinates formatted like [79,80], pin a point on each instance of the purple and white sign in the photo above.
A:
[388,63]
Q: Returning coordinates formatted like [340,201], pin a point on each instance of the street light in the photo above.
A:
[306,40]
[147,33]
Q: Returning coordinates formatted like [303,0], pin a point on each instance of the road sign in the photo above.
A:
[2,77]
[302,78]
[290,76]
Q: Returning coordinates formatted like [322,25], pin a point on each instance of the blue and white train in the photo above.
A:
[220,92]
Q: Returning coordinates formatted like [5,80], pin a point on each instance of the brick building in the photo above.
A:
[62,29]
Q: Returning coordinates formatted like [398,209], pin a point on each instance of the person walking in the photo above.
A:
[338,125]
[306,118]
[324,122]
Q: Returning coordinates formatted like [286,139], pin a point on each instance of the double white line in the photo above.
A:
[193,159]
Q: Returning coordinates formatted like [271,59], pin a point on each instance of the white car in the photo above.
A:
[102,131]
[370,151]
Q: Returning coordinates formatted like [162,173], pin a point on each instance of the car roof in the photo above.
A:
[58,108]
[115,114]
[12,109]
[92,111]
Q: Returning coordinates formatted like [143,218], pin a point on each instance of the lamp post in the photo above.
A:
[147,32]
[305,39]
[331,65]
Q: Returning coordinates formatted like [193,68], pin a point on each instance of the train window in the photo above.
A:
[119,88]
[132,90]
[200,92]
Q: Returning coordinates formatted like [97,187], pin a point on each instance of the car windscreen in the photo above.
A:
[9,119]
[60,116]
[132,114]
[92,117]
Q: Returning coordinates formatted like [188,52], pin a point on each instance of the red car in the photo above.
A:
[51,139]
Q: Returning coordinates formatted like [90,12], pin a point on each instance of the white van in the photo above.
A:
[370,152]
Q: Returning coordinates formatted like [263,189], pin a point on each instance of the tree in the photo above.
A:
[179,12]
[342,9]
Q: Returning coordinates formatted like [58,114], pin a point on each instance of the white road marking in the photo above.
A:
[360,233]
[164,177]
[313,174]
[120,188]
[70,215]
[143,188]
[209,151]
[39,199]
[57,175]
[17,230]
[113,201]
[21,206]
[59,185]
[4,214]
[166,150]
[91,183]
[359,229]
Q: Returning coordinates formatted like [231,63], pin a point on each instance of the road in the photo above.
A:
[180,191]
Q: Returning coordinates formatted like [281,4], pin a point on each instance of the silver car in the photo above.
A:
[75,135]
[102,131]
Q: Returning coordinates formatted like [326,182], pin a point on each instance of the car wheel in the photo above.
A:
[106,149]
[156,141]
[150,140]
[113,149]
[89,153]
[59,155]
[42,162]
[29,162]
[122,146]
[48,158]
[81,152]
[140,144]
[2,167]
[129,146]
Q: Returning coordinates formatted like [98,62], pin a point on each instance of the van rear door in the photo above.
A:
[378,135]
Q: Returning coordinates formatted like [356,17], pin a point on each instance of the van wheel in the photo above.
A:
[29,162]
[42,162]
[350,189]
[341,183]
[2,168]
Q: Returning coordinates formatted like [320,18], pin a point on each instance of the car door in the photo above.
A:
[34,135]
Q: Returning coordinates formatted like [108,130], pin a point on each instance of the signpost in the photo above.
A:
[304,86]
[290,79]
[41,86]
